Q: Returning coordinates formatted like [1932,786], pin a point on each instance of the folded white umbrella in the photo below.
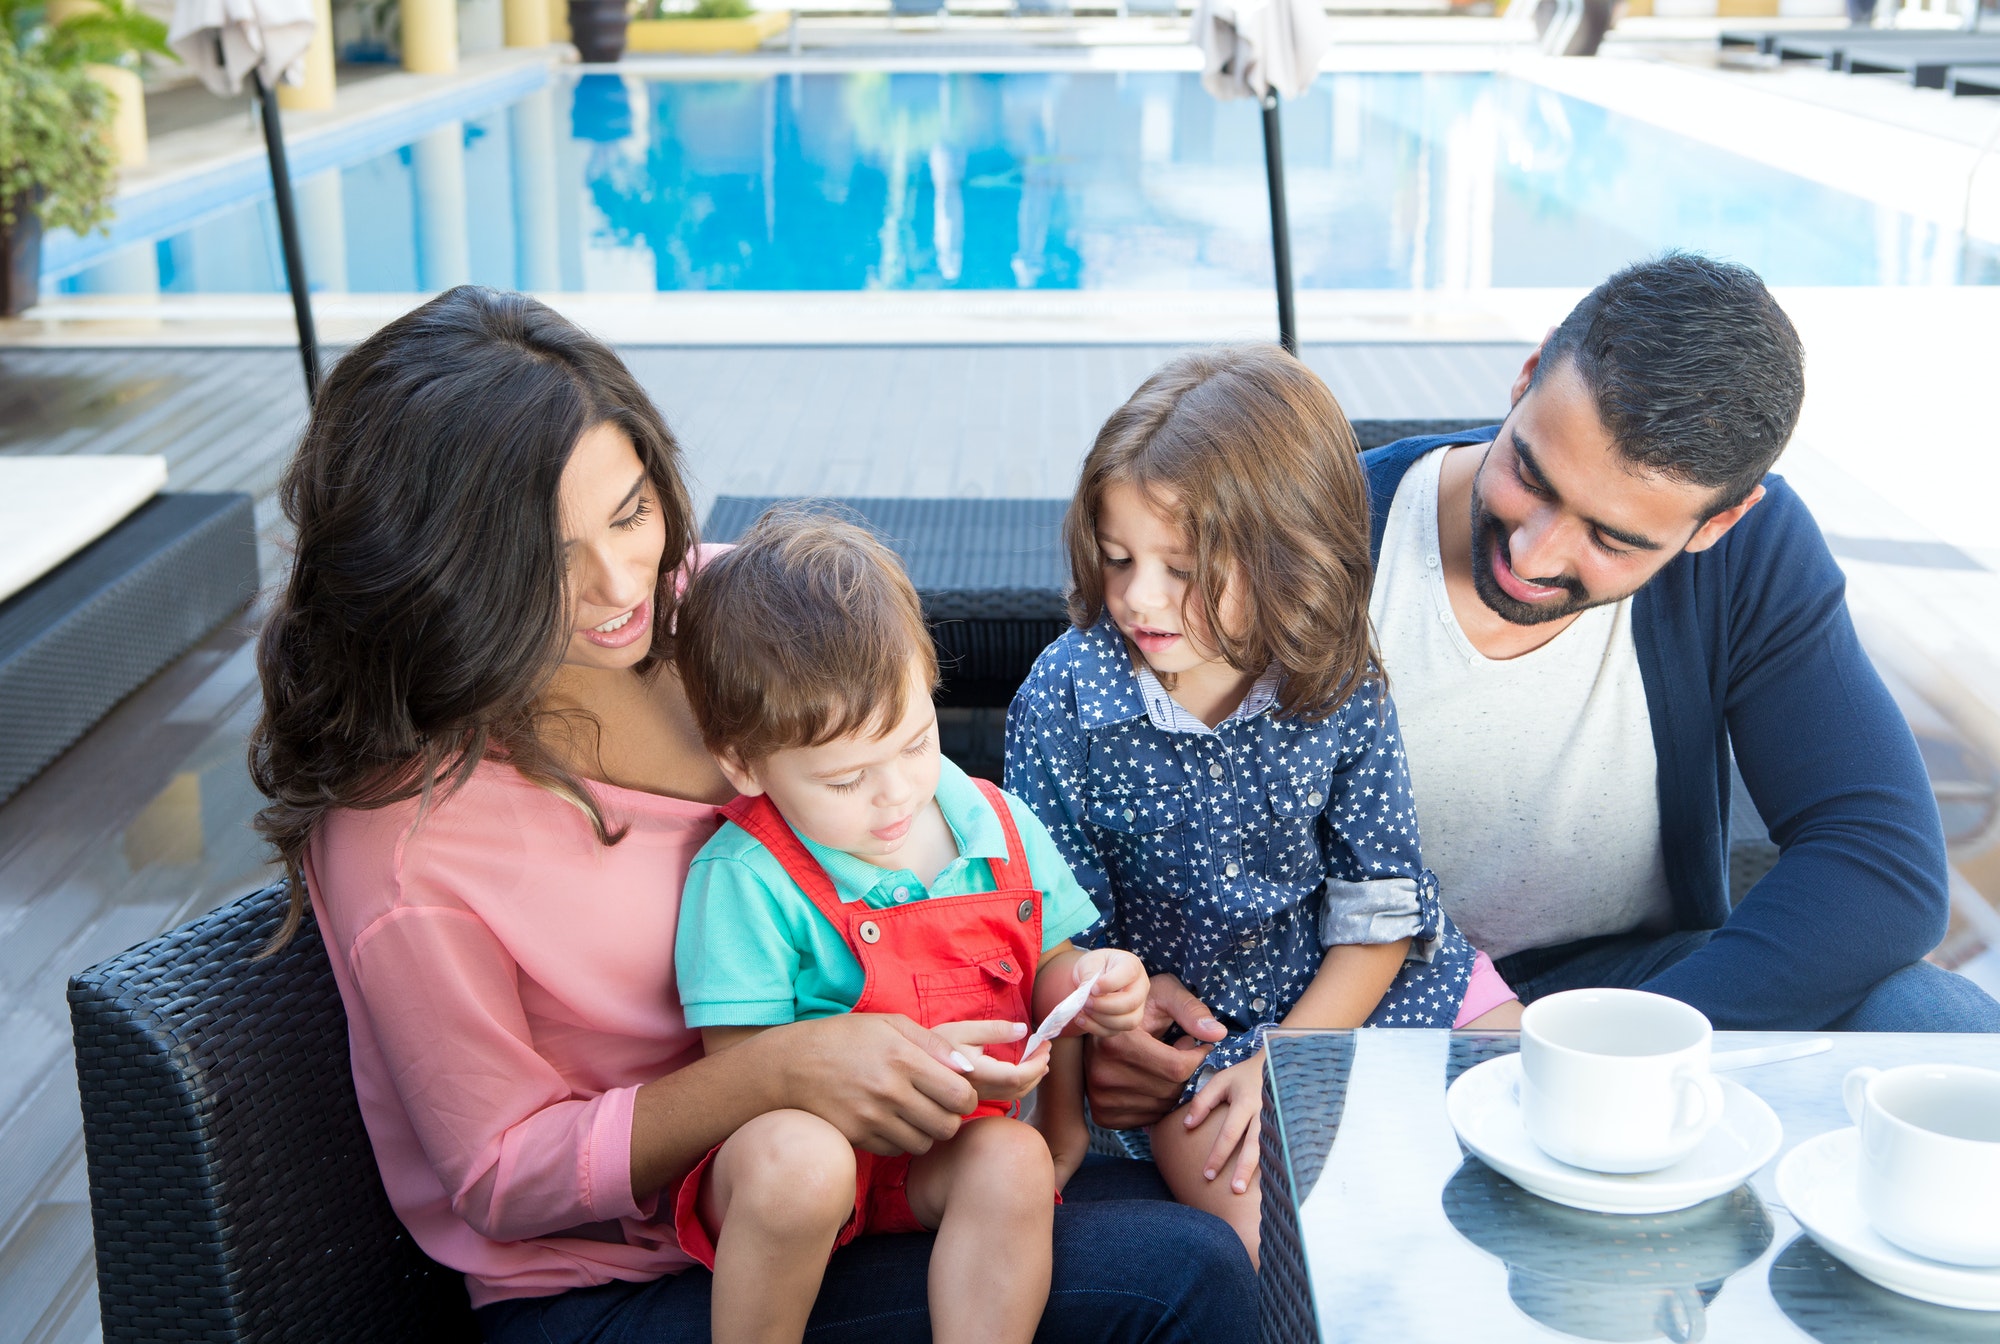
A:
[1249,47]
[1261,49]
[224,40]
[269,36]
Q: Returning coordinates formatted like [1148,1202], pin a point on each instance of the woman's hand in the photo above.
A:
[1135,1078]
[883,1081]
[1238,1091]
[995,1079]
[1118,1000]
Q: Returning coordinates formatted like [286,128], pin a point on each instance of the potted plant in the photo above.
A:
[56,167]
[711,25]
[598,29]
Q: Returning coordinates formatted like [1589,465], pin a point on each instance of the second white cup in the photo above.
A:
[1930,1158]
[1616,1080]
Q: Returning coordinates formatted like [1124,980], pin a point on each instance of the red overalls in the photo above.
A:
[942,959]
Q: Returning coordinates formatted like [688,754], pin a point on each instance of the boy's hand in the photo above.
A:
[1239,1092]
[1119,998]
[995,1080]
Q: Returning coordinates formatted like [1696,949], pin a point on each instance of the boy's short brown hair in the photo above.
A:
[1265,480]
[800,634]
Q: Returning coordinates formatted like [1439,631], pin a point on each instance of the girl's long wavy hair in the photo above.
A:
[1259,468]
[427,608]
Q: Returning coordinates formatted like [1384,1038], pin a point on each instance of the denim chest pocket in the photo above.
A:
[1139,810]
[1296,803]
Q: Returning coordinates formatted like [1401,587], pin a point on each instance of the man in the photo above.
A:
[1584,613]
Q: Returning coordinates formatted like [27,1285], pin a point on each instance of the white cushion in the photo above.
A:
[53,507]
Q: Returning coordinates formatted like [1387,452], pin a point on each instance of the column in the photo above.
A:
[527,22]
[443,257]
[316,94]
[532,138]
[430,36]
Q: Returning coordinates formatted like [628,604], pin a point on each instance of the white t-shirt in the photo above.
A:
[1534,776]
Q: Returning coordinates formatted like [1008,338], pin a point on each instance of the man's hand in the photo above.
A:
[883,1081]
[1135,1078]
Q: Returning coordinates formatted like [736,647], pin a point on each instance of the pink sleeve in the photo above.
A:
[1485,992]
[519,1154]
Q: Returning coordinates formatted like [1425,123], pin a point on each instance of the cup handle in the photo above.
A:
[1854,1089]
[1683,1316]
[1702,1101]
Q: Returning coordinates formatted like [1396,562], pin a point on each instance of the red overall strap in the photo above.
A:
[761,818]
[1013,870]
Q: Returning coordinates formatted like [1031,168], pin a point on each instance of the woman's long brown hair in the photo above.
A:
[1256,462]
[426,609]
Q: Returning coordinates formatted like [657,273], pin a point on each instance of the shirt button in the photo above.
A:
[1431,560]
[1315,798]
[1215,769]
[1230,869]
[870,931]
[1257,1005]
[1444,618]
[1249,943]
[1128,814]
[902,894]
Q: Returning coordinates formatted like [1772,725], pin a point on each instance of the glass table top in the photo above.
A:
[1378,1225]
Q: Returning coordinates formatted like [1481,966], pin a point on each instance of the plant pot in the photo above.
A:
[598,29]
[21,250]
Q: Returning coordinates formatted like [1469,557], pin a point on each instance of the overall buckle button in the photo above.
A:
[1026,911]
[870,931]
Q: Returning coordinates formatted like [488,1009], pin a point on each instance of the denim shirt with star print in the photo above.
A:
[1232,857]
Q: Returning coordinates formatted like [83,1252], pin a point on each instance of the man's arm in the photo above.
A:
[1860,887]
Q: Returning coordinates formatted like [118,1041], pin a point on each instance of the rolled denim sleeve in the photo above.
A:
[1377,888]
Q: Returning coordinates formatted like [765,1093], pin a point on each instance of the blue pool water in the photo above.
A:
[855,181]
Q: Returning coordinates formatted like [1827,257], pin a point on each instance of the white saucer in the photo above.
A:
[1487,1115]
[1820,1186]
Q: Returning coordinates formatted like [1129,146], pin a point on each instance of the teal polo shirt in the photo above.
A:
[754,951]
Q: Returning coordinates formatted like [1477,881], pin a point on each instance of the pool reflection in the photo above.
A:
[1603,1276]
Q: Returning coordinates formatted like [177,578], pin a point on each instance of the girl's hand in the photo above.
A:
[1119,999]
[1240,1089]
[995,1079]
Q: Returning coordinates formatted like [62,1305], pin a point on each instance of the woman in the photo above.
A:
[484,775]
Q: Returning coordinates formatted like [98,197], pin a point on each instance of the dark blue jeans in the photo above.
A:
[1920,997]
[1131,1267]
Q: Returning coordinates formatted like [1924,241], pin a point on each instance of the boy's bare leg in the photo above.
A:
[1182,1155]
[779,1190]
[990,1193]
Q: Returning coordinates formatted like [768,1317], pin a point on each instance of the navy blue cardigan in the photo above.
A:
[1748,645]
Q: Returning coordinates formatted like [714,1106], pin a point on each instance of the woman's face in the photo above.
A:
[613,540]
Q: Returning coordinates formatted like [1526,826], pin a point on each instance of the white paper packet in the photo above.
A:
[1059,1017]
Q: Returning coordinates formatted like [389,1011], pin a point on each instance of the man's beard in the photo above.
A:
[1490,534]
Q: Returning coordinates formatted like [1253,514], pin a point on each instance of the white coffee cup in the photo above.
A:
[1930,1158]
[1616,1080]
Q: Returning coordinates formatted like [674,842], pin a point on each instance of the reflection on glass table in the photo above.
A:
[1378,1224]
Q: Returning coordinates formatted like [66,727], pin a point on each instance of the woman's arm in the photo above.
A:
[881,1080]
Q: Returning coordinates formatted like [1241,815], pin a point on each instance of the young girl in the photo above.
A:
[1214,749]
[861,871]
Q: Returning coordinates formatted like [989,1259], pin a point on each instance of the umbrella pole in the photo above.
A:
[288,235]
[1281,229]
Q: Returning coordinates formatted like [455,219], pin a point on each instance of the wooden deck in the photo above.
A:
[146,822]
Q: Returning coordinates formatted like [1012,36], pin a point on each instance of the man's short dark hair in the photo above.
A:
[1697,373]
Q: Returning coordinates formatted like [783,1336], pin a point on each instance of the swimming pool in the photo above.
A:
[1088,180]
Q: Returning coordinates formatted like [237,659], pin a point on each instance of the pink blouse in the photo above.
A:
[509,985]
